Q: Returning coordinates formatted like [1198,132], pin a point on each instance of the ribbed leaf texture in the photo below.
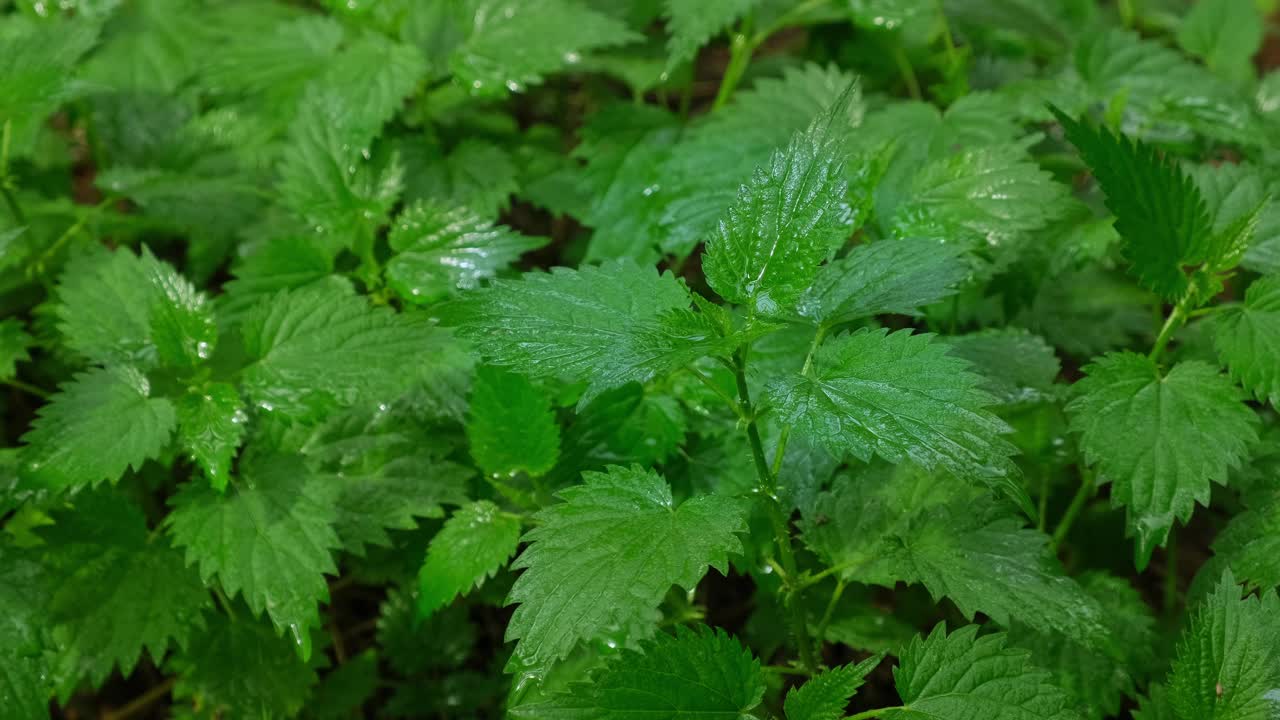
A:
[827,694]
[602,560]
[270,538]
[1228,664]
[965,677]
[1248,340]
[1161,440]
[1159,210]
[901,397]
[512,427]
[472,546]
[697,674]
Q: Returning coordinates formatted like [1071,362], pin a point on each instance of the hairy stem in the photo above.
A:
[1177,318]
[142,702]
[1082,496]
[821,631]
[740,49]
[782,533]
[28,388]
[873,713]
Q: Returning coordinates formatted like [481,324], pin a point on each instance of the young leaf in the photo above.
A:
[1248,340]
[511,45]
[269,537]
[693,24]
[901,397]
[607,325]
[211,423]
[317,348]
[885,277]
[697,674]
[1159,210]
[474,544]
[1160,441]
[115,591]
[440,251]
[1228,664]
[14,342]
[789,217]
[962,675]
[826,696]
[237,668]
[605,557]
[76,440]
[512,427]
[702,177]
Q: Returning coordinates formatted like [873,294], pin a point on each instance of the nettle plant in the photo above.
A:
[895,359]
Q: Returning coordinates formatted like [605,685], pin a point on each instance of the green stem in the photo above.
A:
[12,202]
[1082,496]
[907,72]
[1177,318]
[784,670]
[782,533]
[1127,12]
[785,434]
[821,630]
[38,265]
[1171,574]
[28,388]
[142,702]
[1042,523]
[740,49]
[719,391]
[874,713]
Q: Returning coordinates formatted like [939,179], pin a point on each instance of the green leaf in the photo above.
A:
[115,592]
[276,265]
[692,24]
[702,177]
[1228,663]
[604,558]
[121,307]
[1017,367]
[901,397]
[1097,681]
[1159,440]
[626,149]
[1156,705]
[1247,339]
[888,525]
[237,668]
[695,674]
[981,198]
[440,251]
[786,220]
[826,696]
[211,423]
[316,348]
[269,537]
[1225,34]
[962,675]
[36,60]
[475,173]
[606,326]
[511,45]
[24,676]
[1159,211]
[881,278]
[76,440]
[1250,543]
[512,427]
[473,544]
[14,341]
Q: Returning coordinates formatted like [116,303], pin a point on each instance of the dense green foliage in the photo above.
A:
[662,359]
